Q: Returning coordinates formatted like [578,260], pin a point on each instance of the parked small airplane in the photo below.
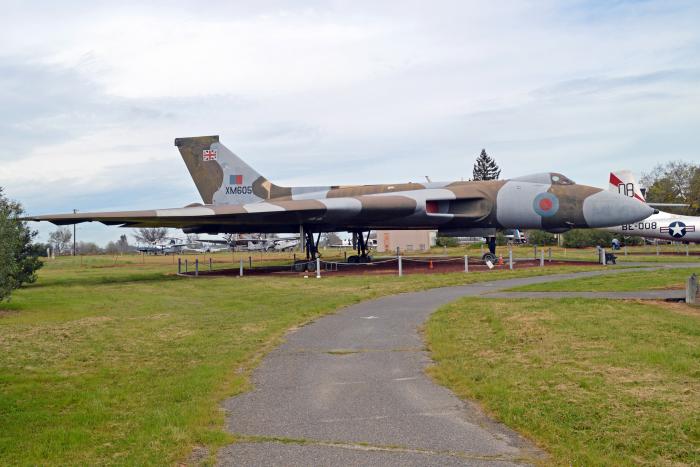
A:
[258,244]
[238,199]
[173,246]
[663,225]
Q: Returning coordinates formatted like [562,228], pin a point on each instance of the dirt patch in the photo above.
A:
[675,307]
[198,456]
[6,313]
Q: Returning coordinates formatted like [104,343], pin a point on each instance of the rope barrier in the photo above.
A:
[433,260]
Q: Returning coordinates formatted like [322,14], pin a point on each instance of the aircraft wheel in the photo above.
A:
[489,257]
[354,259]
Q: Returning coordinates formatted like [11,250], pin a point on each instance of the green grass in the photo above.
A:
[593,382]
[623,282]
[124,363]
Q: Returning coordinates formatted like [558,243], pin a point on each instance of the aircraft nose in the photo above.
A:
[607,209]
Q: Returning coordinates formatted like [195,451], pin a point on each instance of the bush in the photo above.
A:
[540,237]
[501,239]
[18,257]
[631,241]
[446,241]
[581,238]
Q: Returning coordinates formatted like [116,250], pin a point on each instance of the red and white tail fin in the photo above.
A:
[623,182]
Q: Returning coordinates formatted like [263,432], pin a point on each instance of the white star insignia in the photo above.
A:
[677,230]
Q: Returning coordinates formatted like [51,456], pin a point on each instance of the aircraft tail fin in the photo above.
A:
[221,176]
[625,183]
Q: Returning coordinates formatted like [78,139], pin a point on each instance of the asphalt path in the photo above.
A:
[350,388]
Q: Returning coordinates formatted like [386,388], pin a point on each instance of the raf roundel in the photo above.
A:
[546,204]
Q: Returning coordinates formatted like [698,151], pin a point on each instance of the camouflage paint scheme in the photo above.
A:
[238,199]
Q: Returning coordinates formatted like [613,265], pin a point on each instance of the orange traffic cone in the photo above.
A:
[430,265]
[500,260]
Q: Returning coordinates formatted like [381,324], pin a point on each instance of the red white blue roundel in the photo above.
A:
[546,204]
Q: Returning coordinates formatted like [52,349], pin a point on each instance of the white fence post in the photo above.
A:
[691,289]
[510,259]
[466,263]
[541,258]
[240,269]
[400,267]
[318,268]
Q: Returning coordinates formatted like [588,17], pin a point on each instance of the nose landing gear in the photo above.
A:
[491,254]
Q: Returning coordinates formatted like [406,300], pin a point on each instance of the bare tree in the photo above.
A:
[87,248]
[123,244]
[60,240]
[112,248]
[330,238]
[151,235]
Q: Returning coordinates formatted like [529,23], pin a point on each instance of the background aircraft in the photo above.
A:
[172,246]
[239,199]
[663,225]
[257,243]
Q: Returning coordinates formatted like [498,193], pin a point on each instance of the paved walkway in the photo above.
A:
[350,388]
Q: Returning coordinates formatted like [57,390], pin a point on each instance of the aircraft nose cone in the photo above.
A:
[607,209]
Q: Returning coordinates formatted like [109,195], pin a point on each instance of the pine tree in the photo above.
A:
[485,168]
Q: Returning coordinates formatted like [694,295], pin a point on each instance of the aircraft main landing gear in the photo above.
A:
[311,252]
[360,242]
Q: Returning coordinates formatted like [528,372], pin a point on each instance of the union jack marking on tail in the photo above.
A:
[209,155]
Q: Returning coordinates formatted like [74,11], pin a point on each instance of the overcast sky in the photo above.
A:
[92,94]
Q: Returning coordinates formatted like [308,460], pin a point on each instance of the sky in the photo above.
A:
[92,94]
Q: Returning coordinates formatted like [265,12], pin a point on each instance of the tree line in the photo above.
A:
[61,242]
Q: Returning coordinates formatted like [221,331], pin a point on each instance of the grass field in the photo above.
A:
[629,281]
[594,382]
[120,362]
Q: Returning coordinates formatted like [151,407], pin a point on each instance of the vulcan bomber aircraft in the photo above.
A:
[237,199]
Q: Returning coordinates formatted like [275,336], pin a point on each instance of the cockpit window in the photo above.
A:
[559,179]
[546,178]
